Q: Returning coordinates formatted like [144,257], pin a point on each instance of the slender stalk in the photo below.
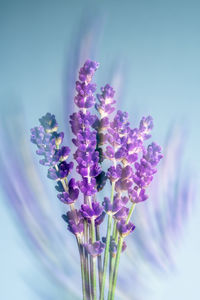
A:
[86,262]
[93,262]
[119,249]
[130,212]
[80,247]
[106,254]
[112,260]
[99,260]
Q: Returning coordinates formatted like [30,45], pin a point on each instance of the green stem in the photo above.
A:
[86,261]
[112,260]
[106,254]
[130,212]
[80,247]
[99,260]
[93,263]
[119,249]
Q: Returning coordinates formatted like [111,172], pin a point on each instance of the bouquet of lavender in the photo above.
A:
[107,149]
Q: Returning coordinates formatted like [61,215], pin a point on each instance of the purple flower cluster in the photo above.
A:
[130,166]
[98,138]
[48,142]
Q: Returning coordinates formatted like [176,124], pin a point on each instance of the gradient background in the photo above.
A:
[157,44]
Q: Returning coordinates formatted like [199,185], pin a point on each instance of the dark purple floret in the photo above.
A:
[95,249]
[49,123]
[125,229]
[63,171]
[61,154]
[91,212]
[101,181]
[57,137]
[72,195]
[64,168]
[59,187]
[100,219]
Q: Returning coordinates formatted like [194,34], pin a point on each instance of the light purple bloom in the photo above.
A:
[91,212]
[125,229]
[95,249]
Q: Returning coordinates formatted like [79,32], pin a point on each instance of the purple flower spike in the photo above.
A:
[95,249]
[125,229]
[91,212]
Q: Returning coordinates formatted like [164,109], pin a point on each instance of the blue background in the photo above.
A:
[157,45]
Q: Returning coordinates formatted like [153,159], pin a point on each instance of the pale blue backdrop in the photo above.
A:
[157,44]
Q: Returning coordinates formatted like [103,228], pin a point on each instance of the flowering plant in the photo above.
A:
[107,150]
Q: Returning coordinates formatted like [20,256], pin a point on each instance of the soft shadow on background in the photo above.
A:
[149,51]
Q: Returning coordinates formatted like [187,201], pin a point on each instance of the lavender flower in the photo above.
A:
[95,249]
[91,212]
[131,167]
[71,195]
[125,229]
[74,220]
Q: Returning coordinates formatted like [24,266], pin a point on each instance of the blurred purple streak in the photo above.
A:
[162,220]
[26,198]
[84,45]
